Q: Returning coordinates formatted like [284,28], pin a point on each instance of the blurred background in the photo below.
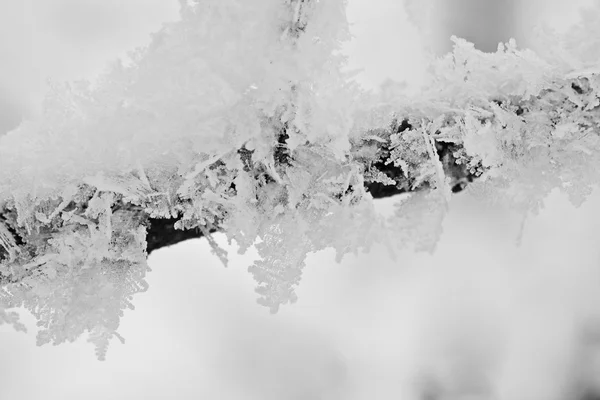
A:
[481,318]
[59,40]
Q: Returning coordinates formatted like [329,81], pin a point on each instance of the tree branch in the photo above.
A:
[374,152]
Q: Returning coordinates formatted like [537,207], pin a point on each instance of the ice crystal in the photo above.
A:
[238,118]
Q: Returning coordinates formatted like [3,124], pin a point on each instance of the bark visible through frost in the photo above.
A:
[161,232]
[383,176]
[460,171]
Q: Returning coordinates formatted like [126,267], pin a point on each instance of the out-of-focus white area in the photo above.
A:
[395,39]
[385,44]
[481,315]
[489,21]
[66,40]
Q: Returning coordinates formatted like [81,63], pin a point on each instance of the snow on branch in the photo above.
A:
[238,119]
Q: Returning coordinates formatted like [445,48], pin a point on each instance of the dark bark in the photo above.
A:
[162,233]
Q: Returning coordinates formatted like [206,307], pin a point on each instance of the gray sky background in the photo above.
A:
[363,329]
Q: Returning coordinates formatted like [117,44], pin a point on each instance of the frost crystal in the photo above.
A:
[239,119]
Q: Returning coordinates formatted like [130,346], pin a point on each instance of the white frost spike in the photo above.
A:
[273,173]
[216,249]
[129,186]
[39,261]
[118,336]
[519,239]
[108,199]
[200,167]
[8,241]
[67,196]
[143,176]
[442,184]
[297,11]
[80,220]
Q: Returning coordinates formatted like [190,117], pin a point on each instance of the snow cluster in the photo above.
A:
[239,118]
